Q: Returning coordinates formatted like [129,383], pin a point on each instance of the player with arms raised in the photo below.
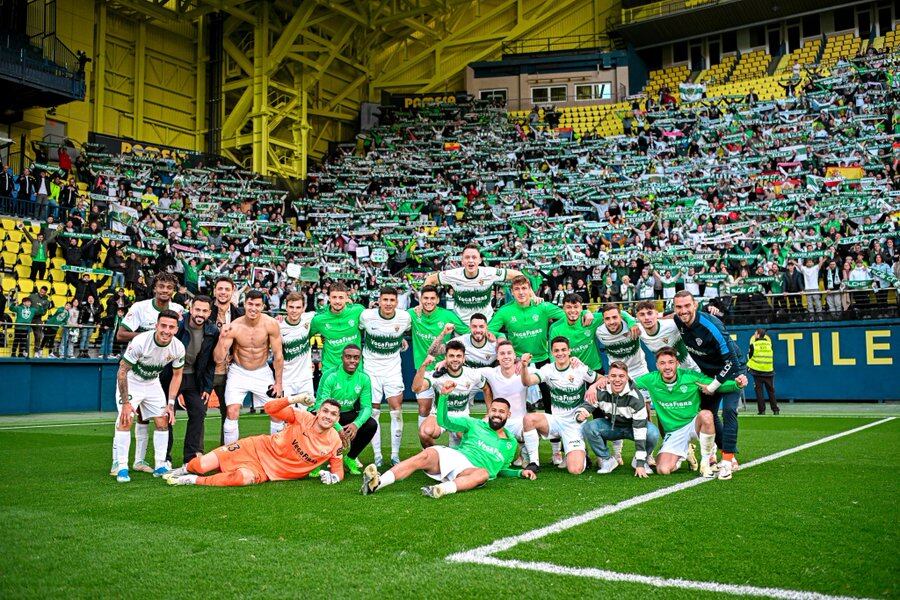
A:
[250,338]
[384,329]
[139,389]
[472,284]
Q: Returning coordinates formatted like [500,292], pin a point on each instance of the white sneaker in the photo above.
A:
[725,469]
[692,456]
[734,464]
[183,480]
[182,470]
[370,480]
[51,355]
[114,470]
[646,468]
[608,465]
[433,491]
[558,459]
[706,470]
[142,467]
[619,460]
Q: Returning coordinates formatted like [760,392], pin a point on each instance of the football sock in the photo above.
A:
[193,466]
[396,431]
[122,443]
[376,440]
[556,446]
[275,426]
[231,431]
[421,420]
[531,445]
[160,444]
[617,447]
[386,479]
[448,487]
[707,445]
[232,479]
[141,439]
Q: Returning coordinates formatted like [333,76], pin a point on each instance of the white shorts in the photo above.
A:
[386,385]
[240,381]
[300,386]
[515,427]
[146,395]
[452,463]
[677,442]
[426,395]
[451,413]
[568,430]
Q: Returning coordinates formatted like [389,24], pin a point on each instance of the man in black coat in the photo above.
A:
[793,287]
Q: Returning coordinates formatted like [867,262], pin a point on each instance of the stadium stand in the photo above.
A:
[735,197]
[751,65]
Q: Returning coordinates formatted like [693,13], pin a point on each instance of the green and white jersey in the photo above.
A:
[472,294]
[295,344]
[427,327]
[147,358]
[677,402]
[478,356]
[620,346]
[567,387]
[526,327]
[337,330]
[142,315]
[582,340]
[509,388]
[468,382]
[667,334]
[383,340]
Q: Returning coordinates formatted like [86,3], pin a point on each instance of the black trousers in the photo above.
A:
[196,415]
[219,388]
[764,382]
[364,434]
[38,270]
[20,341]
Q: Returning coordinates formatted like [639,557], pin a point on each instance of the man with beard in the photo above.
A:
[199,337]
[485,452]
[225,311]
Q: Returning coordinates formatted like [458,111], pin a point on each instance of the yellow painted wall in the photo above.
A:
[167,114]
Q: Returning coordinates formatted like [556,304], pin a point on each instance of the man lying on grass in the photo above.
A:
[486,451]
[306,442]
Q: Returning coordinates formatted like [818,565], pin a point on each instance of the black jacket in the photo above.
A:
[85,313]
[204,365]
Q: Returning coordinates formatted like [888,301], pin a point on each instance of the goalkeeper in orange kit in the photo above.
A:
[306,442]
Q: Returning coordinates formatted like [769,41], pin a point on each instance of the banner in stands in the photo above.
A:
[419,100]
[116,145]
[691,92]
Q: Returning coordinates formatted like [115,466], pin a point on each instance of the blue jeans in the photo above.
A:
[86,333]
[118,279]
[65,346]
[106,343]
[727,435]
[599,431]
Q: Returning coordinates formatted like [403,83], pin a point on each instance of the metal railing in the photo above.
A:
[47,340]
[627,16]
[51,64]
[587,41]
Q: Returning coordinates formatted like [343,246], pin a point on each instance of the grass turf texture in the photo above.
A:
[819,520]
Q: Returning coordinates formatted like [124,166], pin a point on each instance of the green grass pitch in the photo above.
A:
[821,520]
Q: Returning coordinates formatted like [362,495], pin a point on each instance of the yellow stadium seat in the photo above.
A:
[57,262]
[9,284]
[57,275]
[60,288]
[11,246]
[14,235]
[26,286]
[8,223]
[23,271]
[59,300]
[43,283]
[24,259]
[9,259]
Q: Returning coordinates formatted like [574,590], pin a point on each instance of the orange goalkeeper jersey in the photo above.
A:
[300,447]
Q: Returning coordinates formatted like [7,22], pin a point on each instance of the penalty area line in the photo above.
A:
[485,554]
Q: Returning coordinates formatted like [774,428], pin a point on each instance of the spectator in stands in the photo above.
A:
[810,273]
[70,331]
[861,282]
[40,303]
[40,253]
[72,255]
[7,184]
[27,190]
[68,196]
[793,287]
[833,280]
[88,319]
[42,192]
[109,325]
[52,327]
[65,161]
[86,287]
[24,316]
[880,272]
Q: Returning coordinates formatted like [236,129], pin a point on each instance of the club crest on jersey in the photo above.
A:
[683,389]
[351,322]
[699,341]
[396,328]
[357,389]
[665,340]
[513,319]
[571,378]
[534,317]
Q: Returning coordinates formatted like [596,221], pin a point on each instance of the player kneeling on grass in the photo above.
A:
[306,442]
[485,452]
[566,381]
[619,413]
[675,394]
[139,388]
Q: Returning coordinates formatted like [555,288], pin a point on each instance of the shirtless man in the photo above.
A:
[224,312]
[252,336]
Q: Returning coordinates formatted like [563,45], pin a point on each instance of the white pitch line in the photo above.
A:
[484,554]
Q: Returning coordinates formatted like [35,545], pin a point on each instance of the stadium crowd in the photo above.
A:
[769,209]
